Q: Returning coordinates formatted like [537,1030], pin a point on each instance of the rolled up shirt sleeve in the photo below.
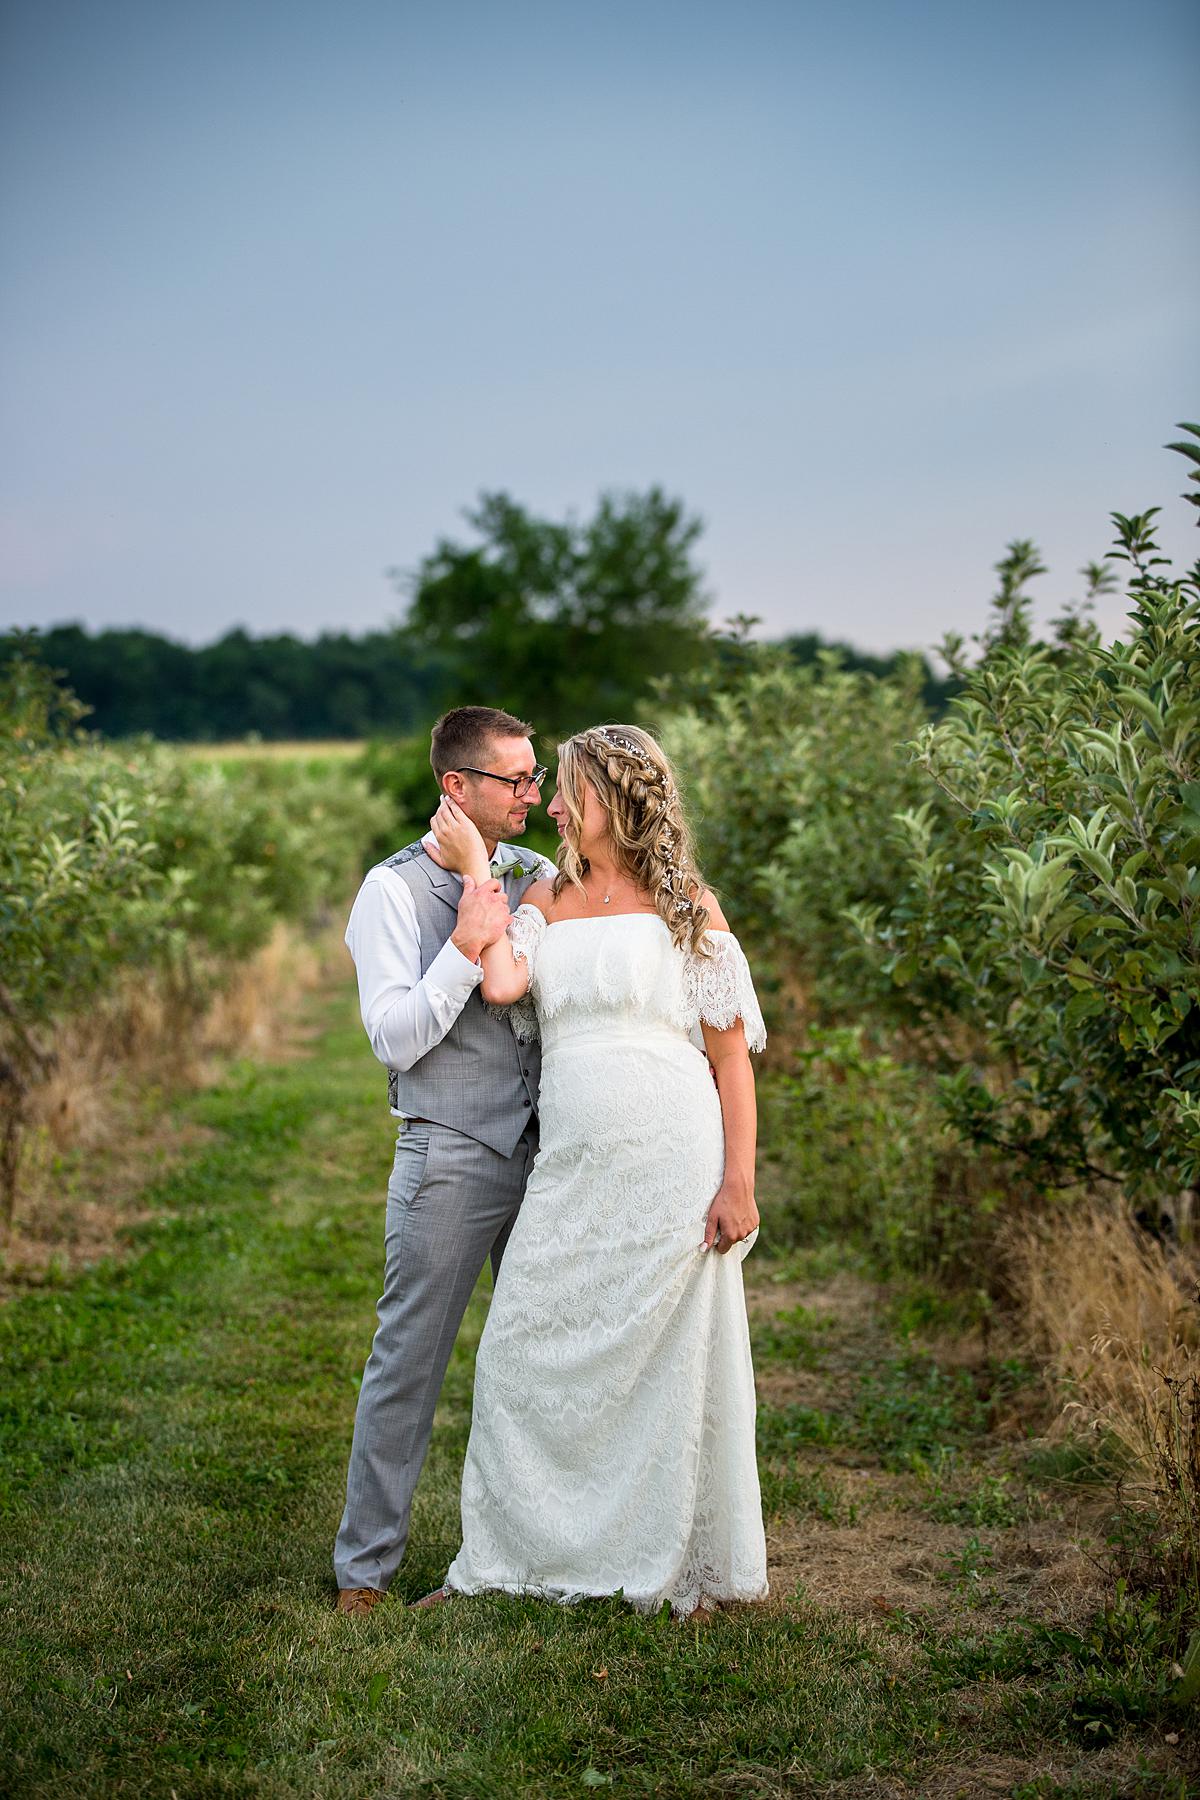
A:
[404,1012]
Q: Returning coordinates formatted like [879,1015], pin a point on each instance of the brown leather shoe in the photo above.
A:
[358,1600]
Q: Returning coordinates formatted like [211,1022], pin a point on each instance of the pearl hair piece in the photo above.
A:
[657,797]
[672,876]
[646,769]
[611,737]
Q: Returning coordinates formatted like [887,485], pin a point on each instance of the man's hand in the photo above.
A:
[483,915]
[731,1217]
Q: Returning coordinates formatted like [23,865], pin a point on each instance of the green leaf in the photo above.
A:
[1084,1006]
[1144,705]
[1092,859]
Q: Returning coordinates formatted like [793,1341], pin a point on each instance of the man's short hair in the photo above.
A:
[462,737]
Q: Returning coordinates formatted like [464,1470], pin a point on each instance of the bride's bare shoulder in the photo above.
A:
[716,918]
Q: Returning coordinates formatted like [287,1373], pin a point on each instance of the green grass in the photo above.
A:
[320,751]
[173,1438]
[796,1334]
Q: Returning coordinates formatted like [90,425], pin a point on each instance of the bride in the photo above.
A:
[612,1440]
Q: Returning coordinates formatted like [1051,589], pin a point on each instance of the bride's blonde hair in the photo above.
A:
[631,777]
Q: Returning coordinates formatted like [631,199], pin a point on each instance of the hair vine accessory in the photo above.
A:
[623,743]
[646,770]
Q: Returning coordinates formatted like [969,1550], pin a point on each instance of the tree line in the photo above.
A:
[560,622]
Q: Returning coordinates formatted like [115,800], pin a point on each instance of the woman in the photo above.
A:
[612,1443]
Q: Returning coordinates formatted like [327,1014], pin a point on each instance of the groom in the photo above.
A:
[465,1092]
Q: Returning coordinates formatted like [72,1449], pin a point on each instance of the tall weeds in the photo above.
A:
[1115,1314]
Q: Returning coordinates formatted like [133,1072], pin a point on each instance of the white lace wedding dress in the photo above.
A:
[612,1442]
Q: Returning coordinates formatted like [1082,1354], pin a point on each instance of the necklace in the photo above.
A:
[605,898]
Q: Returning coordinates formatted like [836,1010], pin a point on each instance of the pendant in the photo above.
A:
[606,899]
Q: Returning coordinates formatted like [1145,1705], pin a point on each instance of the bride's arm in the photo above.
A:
[733,1214]
[505,976]
[461,848]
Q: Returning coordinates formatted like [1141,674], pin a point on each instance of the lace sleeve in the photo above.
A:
[525,930]
[720,989]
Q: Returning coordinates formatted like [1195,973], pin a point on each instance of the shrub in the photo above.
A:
[858,1147]
[793,776]
[134,857]
[1048,895]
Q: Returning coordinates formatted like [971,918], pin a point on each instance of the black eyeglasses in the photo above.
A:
[520,784]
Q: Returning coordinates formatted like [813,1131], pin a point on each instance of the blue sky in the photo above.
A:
[873,288]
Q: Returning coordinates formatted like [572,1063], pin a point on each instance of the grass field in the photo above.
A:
[271,750]
[309,757]
[175,1429]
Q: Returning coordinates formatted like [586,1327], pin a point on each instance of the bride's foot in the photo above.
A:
[438,1594]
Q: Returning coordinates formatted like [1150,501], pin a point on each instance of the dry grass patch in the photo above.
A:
[844,1296]
[78,1205]
[1114,1773]
[893,1559]
[778,1385]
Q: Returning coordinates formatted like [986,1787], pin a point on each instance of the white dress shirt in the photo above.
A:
[404,1012]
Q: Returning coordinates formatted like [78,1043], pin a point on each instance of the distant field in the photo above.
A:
[285,750]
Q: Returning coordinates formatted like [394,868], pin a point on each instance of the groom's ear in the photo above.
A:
[454,785]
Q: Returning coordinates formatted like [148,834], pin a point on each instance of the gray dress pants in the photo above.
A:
[451,1203]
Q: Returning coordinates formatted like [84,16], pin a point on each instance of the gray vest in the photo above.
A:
[479,1080]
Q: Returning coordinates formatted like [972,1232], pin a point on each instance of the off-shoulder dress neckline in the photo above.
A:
[600,918]
[607,919]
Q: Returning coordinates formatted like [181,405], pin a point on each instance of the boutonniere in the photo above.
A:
[509,864]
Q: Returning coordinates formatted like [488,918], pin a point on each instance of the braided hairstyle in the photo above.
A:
[651,842]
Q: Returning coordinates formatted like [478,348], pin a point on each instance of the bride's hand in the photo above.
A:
[731,1217]
[459,840]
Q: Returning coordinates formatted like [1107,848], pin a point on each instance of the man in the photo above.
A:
[465,1091]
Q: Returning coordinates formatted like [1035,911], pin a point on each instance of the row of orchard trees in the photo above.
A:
[1007,898]
[132,862]
[998,908]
